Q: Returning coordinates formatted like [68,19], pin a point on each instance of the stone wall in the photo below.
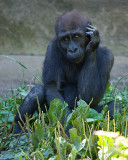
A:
[26,26]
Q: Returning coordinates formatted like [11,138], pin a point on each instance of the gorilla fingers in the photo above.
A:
[94,38]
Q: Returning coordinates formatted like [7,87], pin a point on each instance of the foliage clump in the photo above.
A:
[92,135]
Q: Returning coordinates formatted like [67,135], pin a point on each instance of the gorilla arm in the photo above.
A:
[52,73]
[96,69]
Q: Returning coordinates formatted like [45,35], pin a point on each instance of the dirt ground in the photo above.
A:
[11,73]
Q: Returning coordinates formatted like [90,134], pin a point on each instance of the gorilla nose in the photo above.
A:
[73,50]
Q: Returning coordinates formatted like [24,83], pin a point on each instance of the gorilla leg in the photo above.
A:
[70,95]
[112,107]
[29,105]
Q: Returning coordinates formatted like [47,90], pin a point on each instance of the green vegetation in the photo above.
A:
[93,136]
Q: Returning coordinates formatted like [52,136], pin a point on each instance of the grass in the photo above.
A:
[93,136]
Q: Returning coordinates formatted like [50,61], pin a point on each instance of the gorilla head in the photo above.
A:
[71,30]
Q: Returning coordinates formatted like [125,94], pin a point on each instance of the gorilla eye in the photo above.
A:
[65,38]
[76,36]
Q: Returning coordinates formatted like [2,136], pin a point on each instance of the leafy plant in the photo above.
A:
[112,146]
[45,138]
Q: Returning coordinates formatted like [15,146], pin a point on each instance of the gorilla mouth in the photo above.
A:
[78,59]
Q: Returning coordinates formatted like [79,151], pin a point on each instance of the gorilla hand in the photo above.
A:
[94,38]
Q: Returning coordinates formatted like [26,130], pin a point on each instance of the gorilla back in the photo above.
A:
[75,65]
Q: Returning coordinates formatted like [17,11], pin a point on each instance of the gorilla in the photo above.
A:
[75,65]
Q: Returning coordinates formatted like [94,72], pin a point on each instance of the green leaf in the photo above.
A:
[35,141]
[22,92]
[38,135]
[105,141]
[82,144]
[48,152]
[61,144]
[82,103]
[13,59]
[38,129]
[56,111]
[91,120]
[75,139]
[94,114]
[72,155]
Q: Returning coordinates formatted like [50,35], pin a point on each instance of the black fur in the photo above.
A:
[66,78]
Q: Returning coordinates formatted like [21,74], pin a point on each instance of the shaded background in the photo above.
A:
[26,27]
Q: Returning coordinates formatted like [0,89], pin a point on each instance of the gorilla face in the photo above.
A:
[73,44]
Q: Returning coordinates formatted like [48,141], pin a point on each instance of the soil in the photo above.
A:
[11,73]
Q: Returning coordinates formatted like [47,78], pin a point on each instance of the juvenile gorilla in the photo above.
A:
[76,65]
